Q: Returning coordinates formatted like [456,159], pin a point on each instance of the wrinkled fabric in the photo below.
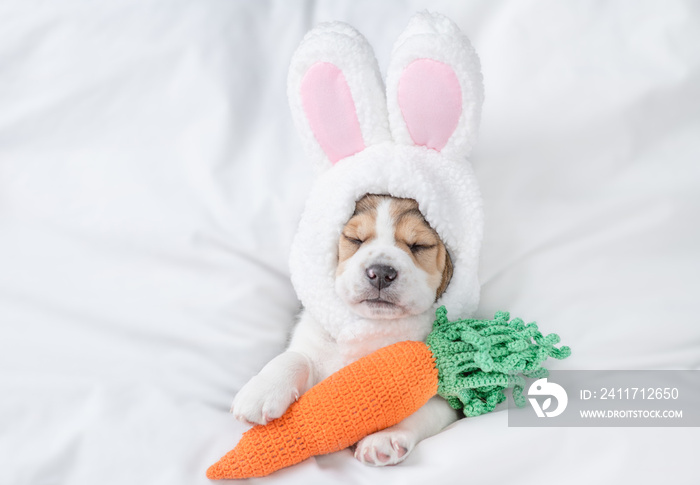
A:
[152,180]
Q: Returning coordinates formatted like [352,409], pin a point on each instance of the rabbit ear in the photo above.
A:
[336,94]
[434,87]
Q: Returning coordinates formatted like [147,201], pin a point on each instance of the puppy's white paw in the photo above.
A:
[387,447]
[261,400]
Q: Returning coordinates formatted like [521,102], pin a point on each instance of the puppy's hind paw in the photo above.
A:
[388,447]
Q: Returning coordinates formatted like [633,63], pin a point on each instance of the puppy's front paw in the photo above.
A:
[387,447]
[261,400]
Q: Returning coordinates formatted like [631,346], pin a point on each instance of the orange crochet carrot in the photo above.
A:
[469,362]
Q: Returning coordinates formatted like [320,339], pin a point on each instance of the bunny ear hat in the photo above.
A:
[409,140]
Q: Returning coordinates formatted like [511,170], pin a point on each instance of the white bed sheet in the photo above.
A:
[150,185]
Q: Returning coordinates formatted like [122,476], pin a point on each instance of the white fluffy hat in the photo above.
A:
[411,142]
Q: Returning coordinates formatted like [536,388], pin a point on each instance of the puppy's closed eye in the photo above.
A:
[416,247]
[353,240]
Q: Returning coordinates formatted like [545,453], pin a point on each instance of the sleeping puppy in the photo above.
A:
[390,261]
[392,267]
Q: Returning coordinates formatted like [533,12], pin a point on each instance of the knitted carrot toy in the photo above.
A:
[468,362]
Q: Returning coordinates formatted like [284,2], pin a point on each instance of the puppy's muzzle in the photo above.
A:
[381,276]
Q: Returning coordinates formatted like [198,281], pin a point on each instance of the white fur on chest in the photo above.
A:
[359,338]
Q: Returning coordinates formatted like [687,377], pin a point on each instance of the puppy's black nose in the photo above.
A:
[381,275]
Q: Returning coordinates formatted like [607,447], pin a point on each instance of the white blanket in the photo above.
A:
[151,181]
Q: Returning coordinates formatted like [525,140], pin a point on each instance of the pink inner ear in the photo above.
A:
[328,105]
[430,99]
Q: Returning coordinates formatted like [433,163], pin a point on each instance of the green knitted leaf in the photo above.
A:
[478,359]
